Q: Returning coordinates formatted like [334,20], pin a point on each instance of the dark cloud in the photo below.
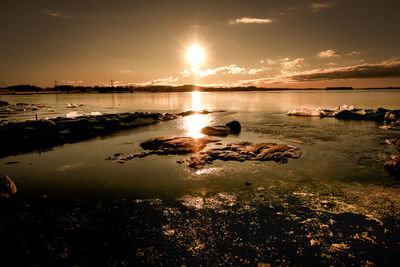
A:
[386,69]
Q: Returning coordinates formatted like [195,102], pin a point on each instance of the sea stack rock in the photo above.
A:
[7,186]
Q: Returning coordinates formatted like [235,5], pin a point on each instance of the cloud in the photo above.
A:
[247,20]
[316,7]
[255,71]
[354,53]
[232,69]
[162,81]
[329,53]
[291,64]
[385,69]
[268,61]
[124,71]
[56,14]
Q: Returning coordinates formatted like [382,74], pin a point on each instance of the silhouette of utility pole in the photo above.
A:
[55,83]
[111,83]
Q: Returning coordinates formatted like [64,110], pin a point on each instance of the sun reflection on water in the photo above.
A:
[194,123]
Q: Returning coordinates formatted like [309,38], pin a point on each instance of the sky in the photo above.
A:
[263,43]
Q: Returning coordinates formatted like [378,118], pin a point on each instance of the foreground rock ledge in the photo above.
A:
[7,186]
[24,136]
[240,151]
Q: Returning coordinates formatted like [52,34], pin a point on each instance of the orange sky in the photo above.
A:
[265,43]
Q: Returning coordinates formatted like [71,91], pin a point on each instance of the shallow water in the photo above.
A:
[341,161]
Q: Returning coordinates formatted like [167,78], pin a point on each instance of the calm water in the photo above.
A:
[341,162]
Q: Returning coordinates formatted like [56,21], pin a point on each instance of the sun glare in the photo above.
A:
[195,56]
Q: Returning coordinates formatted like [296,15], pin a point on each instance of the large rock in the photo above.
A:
[240,151]
[176,144]
[216,130]
[234,126]
[7,186]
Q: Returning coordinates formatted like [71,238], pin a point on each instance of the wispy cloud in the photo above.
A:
[329,53]
[162,81]
[232,69]
[248,20]
[354,53]
[124,71]
[316,7]
[333,53]
[56,14]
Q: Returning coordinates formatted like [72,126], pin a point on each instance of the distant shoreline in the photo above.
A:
[66,89]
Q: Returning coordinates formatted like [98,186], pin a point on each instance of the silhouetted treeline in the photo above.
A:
[28,89]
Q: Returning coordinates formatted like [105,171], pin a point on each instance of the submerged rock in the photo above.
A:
[176,144]
[7,186]
[243,151]
[192,112]
[240,151]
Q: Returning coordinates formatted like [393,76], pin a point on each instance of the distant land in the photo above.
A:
[69,89]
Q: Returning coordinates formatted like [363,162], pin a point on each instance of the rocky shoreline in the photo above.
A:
[29,135]
[389,118]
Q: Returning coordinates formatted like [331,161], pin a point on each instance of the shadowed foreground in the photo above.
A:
[135,232]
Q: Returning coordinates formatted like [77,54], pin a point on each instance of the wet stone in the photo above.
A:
[7,186]
[240,151]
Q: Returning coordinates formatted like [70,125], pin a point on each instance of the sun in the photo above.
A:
[195,56]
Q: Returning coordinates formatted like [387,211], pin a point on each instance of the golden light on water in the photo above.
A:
[195,56]
[194,123]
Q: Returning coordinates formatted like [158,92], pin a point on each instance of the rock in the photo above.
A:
[176,144]
[240,151]
[354,114]
[3,103]
[7,186]
[234,126]
[222,130]
[243,151]
[397,144]
[392,115]
[28,135]
[215,130]
[393,165]
[71,105]
[192,112]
